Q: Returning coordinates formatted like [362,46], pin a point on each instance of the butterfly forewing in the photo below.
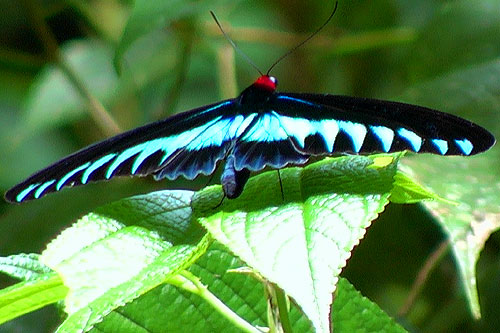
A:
[328,124]
[186,144]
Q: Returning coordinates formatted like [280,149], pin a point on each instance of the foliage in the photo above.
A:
[171,260]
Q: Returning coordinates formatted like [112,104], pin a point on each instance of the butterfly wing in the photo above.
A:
[328,124]
[292,127]
[186,144]
[265,143]
[286,129]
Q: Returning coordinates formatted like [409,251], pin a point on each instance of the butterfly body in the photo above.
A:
[260,128]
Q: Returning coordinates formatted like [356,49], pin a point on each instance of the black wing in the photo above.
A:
[328,124]
[186,144]
[287,128]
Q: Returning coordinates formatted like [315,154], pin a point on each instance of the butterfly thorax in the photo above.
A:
[259,92]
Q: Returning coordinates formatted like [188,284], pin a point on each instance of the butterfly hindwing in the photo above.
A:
[265,143]
[186,144]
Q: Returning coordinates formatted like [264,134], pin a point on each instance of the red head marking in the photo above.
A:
[266,82]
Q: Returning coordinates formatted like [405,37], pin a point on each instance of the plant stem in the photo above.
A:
[282,302]
[191,283]
[423,275]
[226,72]
[342,44]
[49,42]
[82,7]
[172,98]
[98,112]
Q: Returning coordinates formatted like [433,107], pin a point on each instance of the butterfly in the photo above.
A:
[259,128]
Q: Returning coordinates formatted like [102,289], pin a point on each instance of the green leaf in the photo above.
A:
[110,257]
[351,312]
[447,33]
[469,92]
[303,243]
[23,266]
[176,310]
[149,16]
[20,156]
[53,100]
[30,295]
[407,191]
[470,182]
[217,269]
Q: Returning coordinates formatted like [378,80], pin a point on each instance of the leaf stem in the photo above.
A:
[283,308]
[49,42]
[423,275]
[226,72]
[191,283]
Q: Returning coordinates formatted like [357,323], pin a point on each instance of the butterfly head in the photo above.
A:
[267,83]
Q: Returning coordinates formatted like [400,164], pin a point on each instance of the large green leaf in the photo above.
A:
[30,295]
[351,312]
[23,266]
[177,310]
[180,311]
[40,286]
[303,242]
[111,257]
[471,183]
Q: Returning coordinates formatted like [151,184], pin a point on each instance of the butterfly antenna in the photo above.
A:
[305,40]
[236,48]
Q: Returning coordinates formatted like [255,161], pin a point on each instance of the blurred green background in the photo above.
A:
[146,60]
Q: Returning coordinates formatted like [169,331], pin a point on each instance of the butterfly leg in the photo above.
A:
[232,180]
[281,185]
[220,202]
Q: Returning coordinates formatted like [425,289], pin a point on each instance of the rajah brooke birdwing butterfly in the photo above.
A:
[259,128]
